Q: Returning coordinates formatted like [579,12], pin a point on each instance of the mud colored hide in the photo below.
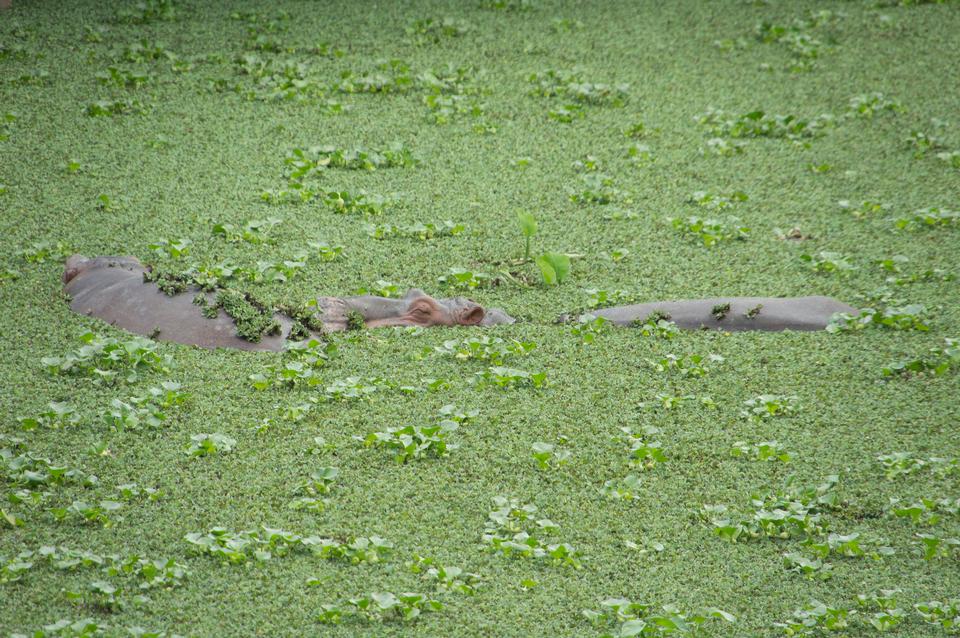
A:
[112,289]
[775,313]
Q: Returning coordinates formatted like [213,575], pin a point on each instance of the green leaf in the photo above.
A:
[554,267]
[528,224]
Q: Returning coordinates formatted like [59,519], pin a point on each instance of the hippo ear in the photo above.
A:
[425,311]
[73,266]
[472,316]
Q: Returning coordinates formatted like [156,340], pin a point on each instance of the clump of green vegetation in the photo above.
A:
[124,78]
[147,411]
[646,452]
[314,489]
[435,30]
[108,360]
[379,607]
[760,124]
[355,320]
[147,12]
[508,5]
[723,148]
[170,248]
[57,415]
[528,226]
[794,511]
[303,162]
[110,108]
[720,311]
[572,85]
[864,209]
[381,288]
[363,203]
[207,444]
[43,251]
[78,511]
[828,262]
[932,217]
[869,104]
[621,617]
[908,317]
[240,547]
[7,118]
[717,201]
[414,441]
[710,231]
[422,231]
[754,312]
[939,361]
[952,158]
[254,231]
[589,327]
[550,455]
[513,530]
[597,188]
[904,463]
[490,349]
[252,318]
[299,366]
[763,451]
[769,406]
[657,324]
[503,377]
[390,76]
[688,365]
[598,298]
[466,279]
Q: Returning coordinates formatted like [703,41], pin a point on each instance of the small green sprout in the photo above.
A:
[769,406]
[528,226]
[589,327]
[764,451]
[549,455]
[206,444]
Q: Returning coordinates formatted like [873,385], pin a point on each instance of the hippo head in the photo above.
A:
[417,308]
[77,264]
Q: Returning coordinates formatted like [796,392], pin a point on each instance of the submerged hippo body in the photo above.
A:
[113,289]
[744,313]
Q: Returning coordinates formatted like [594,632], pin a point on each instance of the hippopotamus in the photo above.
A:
[114,289]
[734,313]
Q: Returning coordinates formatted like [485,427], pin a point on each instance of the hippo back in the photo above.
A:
[116,293]
[737,313]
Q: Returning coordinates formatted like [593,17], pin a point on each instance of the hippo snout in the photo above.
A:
[495,316]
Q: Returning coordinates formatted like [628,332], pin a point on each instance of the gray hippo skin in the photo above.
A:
[113,289]
[745,313]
